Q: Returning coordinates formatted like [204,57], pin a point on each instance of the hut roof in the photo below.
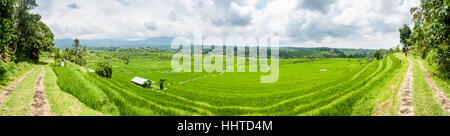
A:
[139,80]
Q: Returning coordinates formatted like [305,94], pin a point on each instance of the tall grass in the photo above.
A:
[73,82]
[301,90]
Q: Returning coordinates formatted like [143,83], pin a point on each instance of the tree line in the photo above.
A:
[429,38]
[23,36]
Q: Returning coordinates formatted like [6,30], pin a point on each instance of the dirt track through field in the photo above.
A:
[440,96]
[12,86]
[88,70]
[40,106]
[83,69]
[406,94]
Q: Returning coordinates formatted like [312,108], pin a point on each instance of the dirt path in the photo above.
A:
[440,96]
[88,70]
[406,94]
[83,69]
[40,106]
[12,86]
[91,70]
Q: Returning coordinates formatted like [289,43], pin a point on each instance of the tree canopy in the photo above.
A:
[430,36]
[22,35]
[405,33]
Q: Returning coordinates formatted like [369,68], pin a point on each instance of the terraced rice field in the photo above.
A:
[302,88]
[347,87]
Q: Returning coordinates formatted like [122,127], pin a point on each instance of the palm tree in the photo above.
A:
[417,13]
[85,49]
[420,14]
[76,45]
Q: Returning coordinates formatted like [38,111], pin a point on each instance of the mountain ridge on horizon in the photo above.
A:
[159,42]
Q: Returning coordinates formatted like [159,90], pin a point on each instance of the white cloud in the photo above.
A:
[339,23]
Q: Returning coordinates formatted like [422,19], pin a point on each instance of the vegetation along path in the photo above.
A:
[40,105]
[406,104]
[11,87]
[438,93]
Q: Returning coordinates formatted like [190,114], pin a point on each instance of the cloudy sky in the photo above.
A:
[306,23]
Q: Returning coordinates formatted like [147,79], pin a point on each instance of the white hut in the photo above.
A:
[140,81]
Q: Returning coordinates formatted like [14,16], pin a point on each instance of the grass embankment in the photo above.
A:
[75,83]
[301,88]
[63,103]
[12,72]
[347,88]
[345,104]
[382,100]
[18,102]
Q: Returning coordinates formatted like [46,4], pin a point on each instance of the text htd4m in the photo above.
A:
[226,126]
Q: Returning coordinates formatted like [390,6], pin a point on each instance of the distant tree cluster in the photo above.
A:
[141,50]
[323,52]
[22,35]
[430,36]
[75,55]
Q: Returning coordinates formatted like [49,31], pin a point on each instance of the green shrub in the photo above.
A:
[3,73]
[104,69]
[147,84]
[80,61]
[80,86]
[57,62]
[5,68]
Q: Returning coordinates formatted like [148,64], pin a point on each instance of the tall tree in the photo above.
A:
[76,45]
[430,38]
[7,35]
[27,31]
[405,33]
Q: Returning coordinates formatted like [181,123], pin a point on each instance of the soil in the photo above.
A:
[40,106]
[406,100]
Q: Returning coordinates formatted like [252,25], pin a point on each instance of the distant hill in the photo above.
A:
[160,42]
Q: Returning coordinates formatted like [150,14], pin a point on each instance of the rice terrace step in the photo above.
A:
[224,67]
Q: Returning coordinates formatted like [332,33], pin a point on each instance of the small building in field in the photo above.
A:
[140,81]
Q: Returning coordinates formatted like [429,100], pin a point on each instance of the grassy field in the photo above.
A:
[18,103]
[348,87]
[13,72]
[62,103]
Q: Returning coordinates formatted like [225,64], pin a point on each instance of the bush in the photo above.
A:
[57,62]
[378,54]
[80,61]
[3,73]
[104,69]
[147,84]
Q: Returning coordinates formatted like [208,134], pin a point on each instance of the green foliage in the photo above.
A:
[405,33]
[80,86]
[7,36]
[23,37]
[6,68]
[147,84]
[104,69]
[311,53]
[378,54]
[11,70]
[126,59]
[431,34]
[75,55]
